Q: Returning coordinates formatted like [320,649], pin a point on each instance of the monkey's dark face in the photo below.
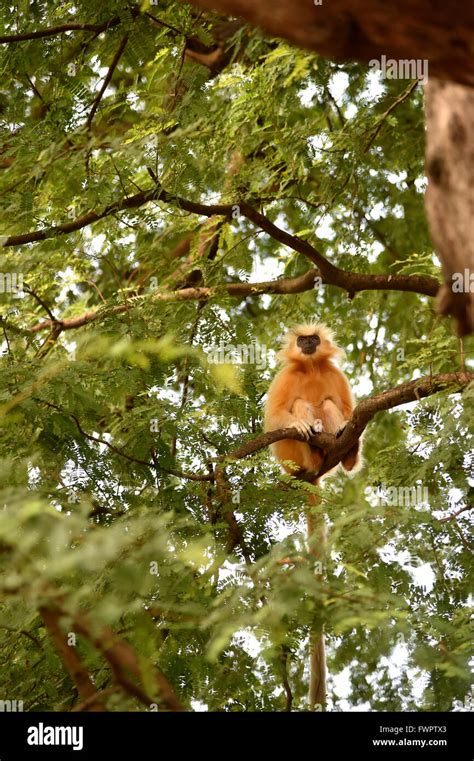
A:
[308,344]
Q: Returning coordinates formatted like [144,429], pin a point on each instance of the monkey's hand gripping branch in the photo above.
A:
[335,447]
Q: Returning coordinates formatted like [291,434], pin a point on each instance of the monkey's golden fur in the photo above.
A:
[310,393]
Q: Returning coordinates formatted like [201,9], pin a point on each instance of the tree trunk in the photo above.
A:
[450,195]
[440,33]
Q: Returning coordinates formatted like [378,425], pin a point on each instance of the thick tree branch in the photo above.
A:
[283,286]
[121,657]
[79,675]
[329,273]
[442,33]
[354,282]
[332,275]
[335,448]
[53,31]
[124,661]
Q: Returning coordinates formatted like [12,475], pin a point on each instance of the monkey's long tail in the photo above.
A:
[317,538]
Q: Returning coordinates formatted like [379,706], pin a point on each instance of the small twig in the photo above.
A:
[163,23]
[437,561]
[91,282]
[235,536]
[95,439]
[97,697]
[286,684]
[36,91]
[463,539]
[25,634]
[107,79]
[181,64]
[453,516]
[2,322]
[462,355]
[53,31]
[189,476]
[40,301]
[406,94]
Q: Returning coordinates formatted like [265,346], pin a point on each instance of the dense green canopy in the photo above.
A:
[147,154]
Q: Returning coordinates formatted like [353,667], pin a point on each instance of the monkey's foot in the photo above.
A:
[302,427]
[317,426]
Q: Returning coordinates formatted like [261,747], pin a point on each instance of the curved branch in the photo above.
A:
[123,661]
[120,655]
[72,26]
[106,82]
[282,285]
[329,273]
[368,29]
[332,275]
[78,673]
[132,202]
[335,448]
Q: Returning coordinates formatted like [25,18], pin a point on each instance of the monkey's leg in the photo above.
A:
[330,416]
[351,459]
[303,410]
[306,411]
[327,417]
[333,422]
[297,451]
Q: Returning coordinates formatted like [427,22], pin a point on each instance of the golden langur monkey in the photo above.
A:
[311,394]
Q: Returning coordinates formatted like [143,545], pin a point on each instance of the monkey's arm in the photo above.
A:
[282,395]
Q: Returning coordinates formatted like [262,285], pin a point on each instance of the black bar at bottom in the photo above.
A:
[161,735]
